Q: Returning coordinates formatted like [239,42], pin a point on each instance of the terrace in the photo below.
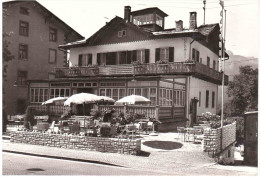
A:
[177,68]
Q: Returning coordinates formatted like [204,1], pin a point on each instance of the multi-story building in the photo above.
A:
[177,69]
[34,35]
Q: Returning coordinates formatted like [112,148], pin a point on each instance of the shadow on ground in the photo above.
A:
[165,145]
[144,154]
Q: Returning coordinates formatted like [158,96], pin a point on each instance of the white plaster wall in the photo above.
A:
[181,49]
[177,43]
[204,53]
[198,85]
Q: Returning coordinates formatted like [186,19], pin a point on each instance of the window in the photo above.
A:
[122,57]
[159,20]
[214,64]
[213,99]
[23,51]
[24,28]
[141,56]
[21,78]
[24,11]
[39,95]
[53,35]
[193,54]
[59,92]
[208,61]
[143,19]
[164,54]
[207,99]
[122,33]
[85,59]
[196,55]
[52,55]
[115,93]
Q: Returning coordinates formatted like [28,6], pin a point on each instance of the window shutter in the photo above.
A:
[147,56]
[99,58]
[80,60]
[128,57]
[134,55]
[157,54]
[90,59]
[193,54]
[171,54]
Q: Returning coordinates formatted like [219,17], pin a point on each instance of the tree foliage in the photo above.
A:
[243,91]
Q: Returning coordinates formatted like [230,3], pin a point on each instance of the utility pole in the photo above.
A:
[204,8]
[223,69]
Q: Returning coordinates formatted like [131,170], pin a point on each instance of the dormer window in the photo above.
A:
[122,33]
[143,19]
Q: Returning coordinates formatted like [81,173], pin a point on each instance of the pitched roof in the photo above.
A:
[49,12]
[202,31]
[148,11]
[90,41]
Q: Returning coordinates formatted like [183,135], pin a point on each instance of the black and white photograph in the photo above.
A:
[130,87]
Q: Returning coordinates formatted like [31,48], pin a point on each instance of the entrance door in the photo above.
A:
[193,110]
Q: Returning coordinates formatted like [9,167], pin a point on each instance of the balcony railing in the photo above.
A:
[142,69]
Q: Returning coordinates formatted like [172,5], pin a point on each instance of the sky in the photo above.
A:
[242,25]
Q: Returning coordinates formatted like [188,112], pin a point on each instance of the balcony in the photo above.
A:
[176,68]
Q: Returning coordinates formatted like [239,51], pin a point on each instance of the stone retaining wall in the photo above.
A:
[212,138]
[113,145]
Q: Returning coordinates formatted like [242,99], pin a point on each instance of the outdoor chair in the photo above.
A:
[181,133]
[190,134]
[138,128]
[198,136]
[51,128]
[130,131]
[149,126]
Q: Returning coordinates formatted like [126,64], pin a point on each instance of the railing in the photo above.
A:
[76,71]
[142,69]
[51,109]
[148,111]
[116,70]
[117,108]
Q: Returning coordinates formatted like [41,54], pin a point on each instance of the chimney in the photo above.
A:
[193,20]
[127,13]
[179,26]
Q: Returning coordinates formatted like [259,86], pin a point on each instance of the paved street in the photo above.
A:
[17,164]
[165,155]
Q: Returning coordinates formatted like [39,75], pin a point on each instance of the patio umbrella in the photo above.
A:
[133,99]
[106,99]
[55,100]
[81,98]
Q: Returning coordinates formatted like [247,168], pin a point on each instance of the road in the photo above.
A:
[18,164]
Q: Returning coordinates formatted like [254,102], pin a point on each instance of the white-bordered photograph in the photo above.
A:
[130,87]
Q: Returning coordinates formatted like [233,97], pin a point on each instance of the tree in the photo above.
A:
[243,91]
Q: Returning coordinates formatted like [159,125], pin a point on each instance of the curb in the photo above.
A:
[64,158]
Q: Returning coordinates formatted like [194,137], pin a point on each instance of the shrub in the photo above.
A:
[104,131]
